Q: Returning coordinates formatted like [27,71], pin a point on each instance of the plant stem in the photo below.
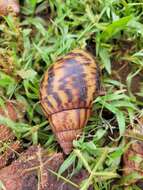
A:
[100,161]
[80,156]
[111,174]
[63,178]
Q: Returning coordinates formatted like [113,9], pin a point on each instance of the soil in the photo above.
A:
[33,169]
[10,147]
[130,164]
[120,71]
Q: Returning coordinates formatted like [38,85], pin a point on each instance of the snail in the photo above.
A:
[9,5]
[67,91]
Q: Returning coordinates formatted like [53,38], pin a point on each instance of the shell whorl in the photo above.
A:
[68,125]
[69,85]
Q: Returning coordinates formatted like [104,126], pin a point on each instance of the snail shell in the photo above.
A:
[67,90]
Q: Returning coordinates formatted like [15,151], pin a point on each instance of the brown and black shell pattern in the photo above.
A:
[67,91]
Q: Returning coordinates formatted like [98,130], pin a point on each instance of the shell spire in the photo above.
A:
[68,125]
[67,91]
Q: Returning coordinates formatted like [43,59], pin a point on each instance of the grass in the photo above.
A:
[113,32]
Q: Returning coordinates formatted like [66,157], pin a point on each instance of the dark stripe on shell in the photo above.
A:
[97,79]
[51,75]
[56,97]
[68,93]
[75,70]
[45,100]
[85,59]
[50,85]
[76,54]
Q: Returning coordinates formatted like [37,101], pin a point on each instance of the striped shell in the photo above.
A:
[67,91]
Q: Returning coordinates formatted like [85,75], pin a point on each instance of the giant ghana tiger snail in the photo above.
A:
[67,91]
